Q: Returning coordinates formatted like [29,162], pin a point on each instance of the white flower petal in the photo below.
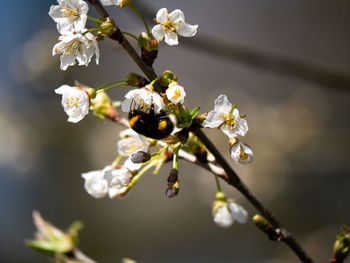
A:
[95,184]
[177,16]
[158,32]
[131,165]
[162,16]
[187,30]
[222,217]
[222,104]
[241,127]
[213,119]
[171,38]
[238,212]
[229,130]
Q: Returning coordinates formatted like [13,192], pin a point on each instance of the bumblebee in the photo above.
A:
[149,123]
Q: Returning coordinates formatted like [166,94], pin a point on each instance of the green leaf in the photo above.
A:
[194,112]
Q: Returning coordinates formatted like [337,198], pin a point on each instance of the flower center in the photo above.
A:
[177,94]
[243,156]
[70,12]
[72,46]
[230,120]
[72,103]
[171,26]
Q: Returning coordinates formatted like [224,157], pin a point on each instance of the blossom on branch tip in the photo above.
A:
[95,183]
[142,99]
[118,180]
[70,15]
[75,102]
[241,153]
[225,213]
[175,93]
[226,117]
[170,25]
[76,46]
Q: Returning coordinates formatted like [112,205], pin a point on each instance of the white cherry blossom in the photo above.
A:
[75,102]
[76,46]
[118,180]
[142,99]
[241,153]
[225,213]
[227,118]
[70,15]
[170,25]
[175,93]
[95,183]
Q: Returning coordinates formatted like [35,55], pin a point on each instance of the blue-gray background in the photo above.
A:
[299,131]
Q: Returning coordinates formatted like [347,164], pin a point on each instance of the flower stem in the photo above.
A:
[131,35]
[110,83]
[117,160]
[142,18]
[217,183]
[176,157]
[95,20]
[91,30]
[123,84]
[140,173]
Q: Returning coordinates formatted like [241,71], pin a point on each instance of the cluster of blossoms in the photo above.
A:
[226,117]
[78,43]
[160,126]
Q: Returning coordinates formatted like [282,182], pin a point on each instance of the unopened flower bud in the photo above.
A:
[135,80]
[173,177]
[341,246]
[108,27]
[167,77]
[140,157]
[172,191]
[266,227]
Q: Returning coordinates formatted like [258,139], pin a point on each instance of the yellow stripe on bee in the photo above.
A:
[133,120]
[162,125]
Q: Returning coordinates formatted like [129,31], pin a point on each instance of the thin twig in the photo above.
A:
[231,177]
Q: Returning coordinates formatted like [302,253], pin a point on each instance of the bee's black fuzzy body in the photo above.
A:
[151,124]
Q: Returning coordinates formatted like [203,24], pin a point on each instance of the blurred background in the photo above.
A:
[286,64]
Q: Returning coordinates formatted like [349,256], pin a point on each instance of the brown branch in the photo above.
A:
[231,176]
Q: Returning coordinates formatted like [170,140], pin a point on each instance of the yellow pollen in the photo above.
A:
[73,102]
[229,120]
[177,94]
[243,156]
[171,26]
[70,13]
